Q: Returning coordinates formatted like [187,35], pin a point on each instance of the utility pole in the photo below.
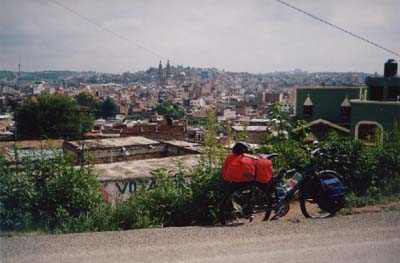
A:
[19,72]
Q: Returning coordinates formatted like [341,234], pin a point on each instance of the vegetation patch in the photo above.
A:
[55,197]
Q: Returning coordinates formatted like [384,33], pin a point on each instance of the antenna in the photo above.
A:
[19,72]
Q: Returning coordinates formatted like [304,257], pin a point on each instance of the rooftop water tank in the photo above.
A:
[390,68]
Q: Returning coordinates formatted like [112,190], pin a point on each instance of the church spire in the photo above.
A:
[160,73]
[168,71]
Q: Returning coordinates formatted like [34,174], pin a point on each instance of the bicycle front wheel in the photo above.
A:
[243,205]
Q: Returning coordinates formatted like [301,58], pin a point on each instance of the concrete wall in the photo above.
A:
[118,181]
[116,191]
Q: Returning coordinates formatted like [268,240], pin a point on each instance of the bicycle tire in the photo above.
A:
[309,205]
[310,209]
[245,204]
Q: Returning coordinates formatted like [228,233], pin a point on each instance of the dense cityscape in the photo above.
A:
[211,130]
[237,96]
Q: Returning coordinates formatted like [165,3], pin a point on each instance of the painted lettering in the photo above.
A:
[121,190]
[151,185]
[132,186]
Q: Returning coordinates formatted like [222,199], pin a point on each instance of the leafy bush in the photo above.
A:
[58,197]
[364,166]
[16,195]
[46,193]
[166,108]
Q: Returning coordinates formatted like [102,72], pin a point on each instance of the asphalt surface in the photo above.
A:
[371,237]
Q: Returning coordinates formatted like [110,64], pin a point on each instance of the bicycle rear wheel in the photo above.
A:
[310,208]
[243,205]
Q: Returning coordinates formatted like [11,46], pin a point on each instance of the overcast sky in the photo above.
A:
[252,36]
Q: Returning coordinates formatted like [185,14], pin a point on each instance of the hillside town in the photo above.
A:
[237,98]
[160,116]
[199,131]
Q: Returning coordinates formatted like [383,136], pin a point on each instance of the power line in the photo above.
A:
[148,50]
[338,27]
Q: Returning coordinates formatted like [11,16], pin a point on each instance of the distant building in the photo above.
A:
[160,74]
[168,74]
[5,125]
[359,111]
[379,110]
[271,97]
[38,87]
[158,130]
[182,77]
[255,134]
[325,102]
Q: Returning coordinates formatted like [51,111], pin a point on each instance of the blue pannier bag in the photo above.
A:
[333,187]
[332,195]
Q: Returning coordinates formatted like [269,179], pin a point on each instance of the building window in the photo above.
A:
[345,109]
[394,92]
[308,110]
[370,132]
[376,93]
[308,106]
[345,113]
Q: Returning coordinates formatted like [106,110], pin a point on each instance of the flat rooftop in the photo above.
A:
[184,144]
[6,147]
[113,142]
[142,168]
[249,128]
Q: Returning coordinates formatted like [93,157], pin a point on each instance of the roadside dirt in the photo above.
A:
[295,214]
[376,208]
[362,238]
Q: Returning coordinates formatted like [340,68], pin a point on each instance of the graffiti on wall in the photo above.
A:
[119,190]
[132,186]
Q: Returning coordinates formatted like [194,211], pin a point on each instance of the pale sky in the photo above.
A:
[253,36]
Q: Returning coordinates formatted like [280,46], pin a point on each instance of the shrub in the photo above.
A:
[363,166]
[16,195]
[46,193]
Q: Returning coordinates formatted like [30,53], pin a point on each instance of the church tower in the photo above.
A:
[168,71]
[160,74]
[168,74]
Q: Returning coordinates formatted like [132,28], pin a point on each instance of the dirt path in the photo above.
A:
[367,237]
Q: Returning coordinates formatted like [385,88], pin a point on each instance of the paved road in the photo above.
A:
[373,237]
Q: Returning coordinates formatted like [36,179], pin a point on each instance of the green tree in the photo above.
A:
[280,124]
[243,136]
[300,130]
[52,116]
[108,108]
[213,150]
[165,108]
[85,99]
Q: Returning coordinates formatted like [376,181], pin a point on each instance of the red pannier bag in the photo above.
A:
[264,170]
[239,168]
[245,168]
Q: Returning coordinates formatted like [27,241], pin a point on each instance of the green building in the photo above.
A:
[364,112]
[325,102]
